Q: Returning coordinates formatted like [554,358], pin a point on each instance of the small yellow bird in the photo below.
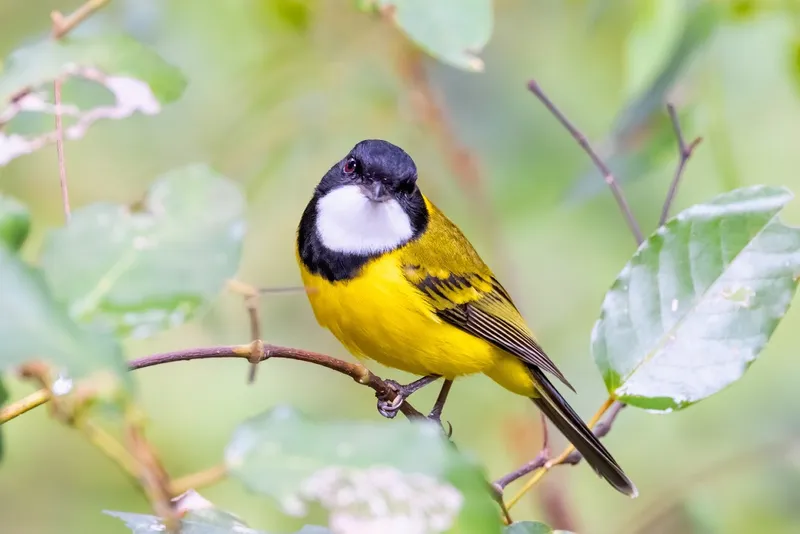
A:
[395,281]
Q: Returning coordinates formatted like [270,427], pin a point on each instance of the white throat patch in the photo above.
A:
[347,221]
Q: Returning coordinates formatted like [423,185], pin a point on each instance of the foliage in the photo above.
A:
[135,271]
[370,477]
[531,527]
[698,301]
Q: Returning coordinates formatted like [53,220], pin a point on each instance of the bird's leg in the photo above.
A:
[438,406]
[389,408]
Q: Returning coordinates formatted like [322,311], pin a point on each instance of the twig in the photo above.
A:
[541,470]
[25,404]
[151,475]
[250,295]
[356,371]
[63,25]
[541,464]
[280,290]
[601,430]
[684,153]
[62,166]
[608,176]
[539,461]
[201,479]
[112,448]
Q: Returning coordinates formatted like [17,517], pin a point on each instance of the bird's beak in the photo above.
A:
[376,192]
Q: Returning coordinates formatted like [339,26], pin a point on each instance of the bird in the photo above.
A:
[396,282]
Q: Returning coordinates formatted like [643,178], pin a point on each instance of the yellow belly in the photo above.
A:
[380,316]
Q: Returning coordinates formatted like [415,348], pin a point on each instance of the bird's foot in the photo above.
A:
[389,405]
[390,400]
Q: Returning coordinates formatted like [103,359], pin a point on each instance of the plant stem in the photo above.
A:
[112,448]
[201,479]
[63,25]
[543,469]
[25,404]
[684,153]
[62,166]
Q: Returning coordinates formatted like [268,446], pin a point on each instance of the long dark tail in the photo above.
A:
[555,408]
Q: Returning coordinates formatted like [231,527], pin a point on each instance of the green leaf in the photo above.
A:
[531,527]
[15,222]
[452,31]
[113,55]
[655,34]
[373,475]
[138,272]
[137,78]
[210,521]
[698,301]
[36,327]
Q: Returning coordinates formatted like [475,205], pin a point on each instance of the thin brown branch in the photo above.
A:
[581,139]
[356,371]
[684,153]
[109,445]
[151,475]
[62,25]
[538,461]
[62,166]
[250,295]
[541,464]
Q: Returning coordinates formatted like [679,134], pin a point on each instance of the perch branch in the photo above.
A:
[356,371]
[684,153]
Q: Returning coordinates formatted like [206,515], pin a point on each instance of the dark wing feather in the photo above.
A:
[483,318]
[463,292]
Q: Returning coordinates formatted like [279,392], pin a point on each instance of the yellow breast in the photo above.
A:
[380,315]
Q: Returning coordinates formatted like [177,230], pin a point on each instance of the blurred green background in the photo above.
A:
[279,90]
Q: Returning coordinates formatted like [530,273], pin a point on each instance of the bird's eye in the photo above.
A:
[350,166]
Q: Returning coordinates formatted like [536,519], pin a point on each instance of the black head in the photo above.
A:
[365,205]
[382,171]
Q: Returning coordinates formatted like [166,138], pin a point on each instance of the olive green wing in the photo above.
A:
[463,292]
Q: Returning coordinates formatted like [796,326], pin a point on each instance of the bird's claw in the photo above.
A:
[437,418]
[389,407]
